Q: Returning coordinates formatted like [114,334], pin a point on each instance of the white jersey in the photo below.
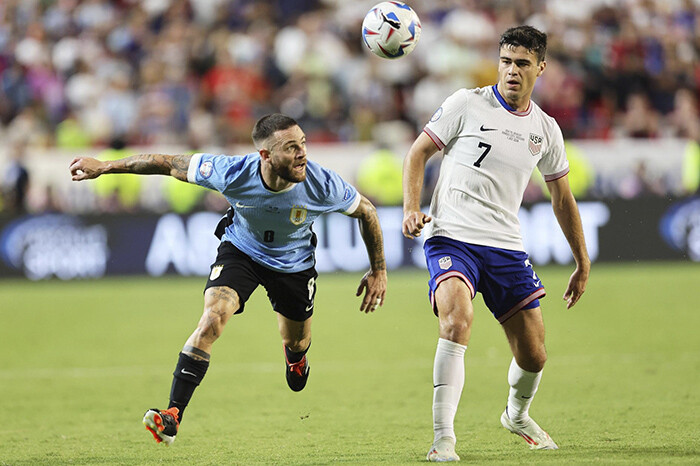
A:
[491,151]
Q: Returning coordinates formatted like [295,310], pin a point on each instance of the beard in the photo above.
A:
[287,173]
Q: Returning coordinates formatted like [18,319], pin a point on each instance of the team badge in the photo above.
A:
[347,194]
[297,215]
[436,116]
[215,272]
[535,143]
[445,262]
[206,169]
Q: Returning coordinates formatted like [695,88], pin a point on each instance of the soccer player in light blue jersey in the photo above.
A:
[276,194]
[493,138]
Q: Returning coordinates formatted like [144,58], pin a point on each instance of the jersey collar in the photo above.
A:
[505,105]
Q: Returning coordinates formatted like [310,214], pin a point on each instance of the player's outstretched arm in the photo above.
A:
[413,172]
[566,211]
[86,168]
[374,281]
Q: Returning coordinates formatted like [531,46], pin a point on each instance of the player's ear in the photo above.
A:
[542,65]
[264,154]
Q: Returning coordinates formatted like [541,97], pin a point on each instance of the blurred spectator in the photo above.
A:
[640,120]
[16,179]
[691,168]
[117,193]
[641,183]
[70,134]
[138,70]
[77,74]
[685,119]
[379,177]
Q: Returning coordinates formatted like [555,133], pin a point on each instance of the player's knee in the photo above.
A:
[212,323]
[534,361]
[541,359]
[455,326]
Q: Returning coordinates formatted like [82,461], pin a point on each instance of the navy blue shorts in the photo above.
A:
[504,277]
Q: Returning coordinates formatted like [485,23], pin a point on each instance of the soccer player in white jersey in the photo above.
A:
[276,194]
[493,138]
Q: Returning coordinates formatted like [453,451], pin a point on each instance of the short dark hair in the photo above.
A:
[269,124]
[532,39]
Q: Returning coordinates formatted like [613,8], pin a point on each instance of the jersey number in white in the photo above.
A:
[487,148]
[311,285]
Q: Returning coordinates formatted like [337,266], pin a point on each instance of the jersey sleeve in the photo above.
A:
[554,164]
[215,172]
[341,195]
[448,119]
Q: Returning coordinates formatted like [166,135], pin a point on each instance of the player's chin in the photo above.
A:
[299,173]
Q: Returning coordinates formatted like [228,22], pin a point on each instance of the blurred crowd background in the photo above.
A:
[92,74]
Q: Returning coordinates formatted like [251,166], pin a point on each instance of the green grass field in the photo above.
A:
[81,361]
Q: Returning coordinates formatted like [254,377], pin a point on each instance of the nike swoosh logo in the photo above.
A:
[439,385]
[525,397]
[241,206]
[537,283]
[183,371]
[487,129]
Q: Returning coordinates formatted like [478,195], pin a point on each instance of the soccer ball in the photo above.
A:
[391,29]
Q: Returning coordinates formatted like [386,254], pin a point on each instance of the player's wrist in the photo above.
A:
[584,264]
[104,168]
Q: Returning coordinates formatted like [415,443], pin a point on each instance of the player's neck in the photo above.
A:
[274,182]
[521,104]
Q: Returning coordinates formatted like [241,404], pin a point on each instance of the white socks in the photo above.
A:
[448,382]
[523,386]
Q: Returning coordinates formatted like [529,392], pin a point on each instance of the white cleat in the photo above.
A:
[533,434]
[443,451]
[163,424]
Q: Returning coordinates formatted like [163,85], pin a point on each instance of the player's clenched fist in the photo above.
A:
[413,223]
[85,168]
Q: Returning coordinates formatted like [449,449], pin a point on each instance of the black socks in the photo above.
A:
[188,374]
[293,357]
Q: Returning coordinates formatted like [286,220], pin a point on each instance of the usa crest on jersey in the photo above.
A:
[535,143]
[297,215]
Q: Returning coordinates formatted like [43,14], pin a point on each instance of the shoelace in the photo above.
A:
[169,416]
[298,367]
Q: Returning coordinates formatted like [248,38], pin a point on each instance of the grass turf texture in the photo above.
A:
[82,361]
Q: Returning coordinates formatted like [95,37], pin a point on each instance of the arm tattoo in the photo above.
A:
[371,233]
[154,164]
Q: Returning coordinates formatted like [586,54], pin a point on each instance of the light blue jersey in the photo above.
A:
[273,227]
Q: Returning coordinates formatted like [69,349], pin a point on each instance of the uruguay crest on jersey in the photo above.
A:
[297,215]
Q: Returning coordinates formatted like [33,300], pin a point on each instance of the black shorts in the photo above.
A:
[291,294]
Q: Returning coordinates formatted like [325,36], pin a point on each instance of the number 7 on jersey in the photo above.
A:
[487,148]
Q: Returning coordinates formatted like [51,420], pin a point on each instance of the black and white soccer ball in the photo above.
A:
[391,29]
